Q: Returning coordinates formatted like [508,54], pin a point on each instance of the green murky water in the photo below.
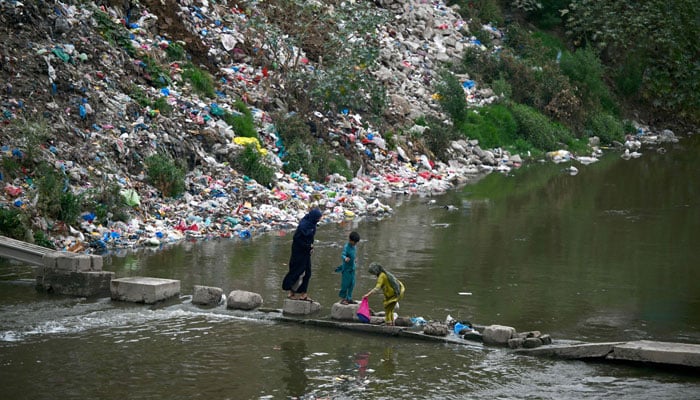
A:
[609,254]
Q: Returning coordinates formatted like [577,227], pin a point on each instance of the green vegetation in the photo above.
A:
[202,82]
[242,121]
[161,104]
[165,175]
[106,203]
[657,37]
[494,126]
[252,164]
[451,97]
[56,200]
[606,127]
[175,52]
[303,153]
[12,223]
[537,129]
[115,34]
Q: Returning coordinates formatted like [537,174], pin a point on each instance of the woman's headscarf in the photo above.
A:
[376,269]
[307,225]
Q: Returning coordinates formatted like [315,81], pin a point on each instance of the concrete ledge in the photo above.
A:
[84,284]
[641,351]
[143,289]
[573,352]
[682,354]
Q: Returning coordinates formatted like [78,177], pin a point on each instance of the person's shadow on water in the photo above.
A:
[293,353]
[387,364]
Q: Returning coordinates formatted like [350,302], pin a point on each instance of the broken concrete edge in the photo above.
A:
[644,352]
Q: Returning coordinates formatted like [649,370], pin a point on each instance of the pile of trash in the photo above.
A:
[58,65]
[64,71]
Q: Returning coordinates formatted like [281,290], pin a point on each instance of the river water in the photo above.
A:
[609,254]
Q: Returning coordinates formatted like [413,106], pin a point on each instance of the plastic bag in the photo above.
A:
[363,311]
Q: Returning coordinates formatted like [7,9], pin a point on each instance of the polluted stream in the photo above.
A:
[606,255]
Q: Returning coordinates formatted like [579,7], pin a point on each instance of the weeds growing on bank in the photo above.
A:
[165,175]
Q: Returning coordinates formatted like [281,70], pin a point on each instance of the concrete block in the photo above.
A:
[576,351]
[66,263]
[39,275]
[96,263]
[344,312]
[681,354]
[243,300]
[206,295]
[50,260]
[83,263]
[83,284]
[300,307]
[144,289]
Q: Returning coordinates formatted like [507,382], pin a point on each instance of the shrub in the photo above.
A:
[156,75]
[548,16]
[161,104]
[493,126]
[339,165]
[201,81]
[165,175]
[340,35]
[296,140]
[55,199]
[106,203]
[501,87]
[11,223]
[114,33]
[40,239]
[70,207]
[451,97]
[139,96]
[11,166]
[242,122]
[175,52]
[292,127]
[628,76]
[606,127]
[585,70]
[437,137]
[483,10]
[537,129]
[297,157]
[252,163]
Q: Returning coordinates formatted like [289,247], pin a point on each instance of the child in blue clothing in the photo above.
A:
[347,269]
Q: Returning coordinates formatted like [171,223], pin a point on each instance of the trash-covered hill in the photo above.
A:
[92,89]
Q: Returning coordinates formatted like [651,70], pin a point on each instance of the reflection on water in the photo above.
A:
[606,255]
[294,355]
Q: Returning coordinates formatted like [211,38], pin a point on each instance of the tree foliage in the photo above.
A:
[661,35]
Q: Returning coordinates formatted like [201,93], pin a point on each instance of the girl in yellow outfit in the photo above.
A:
[393,290]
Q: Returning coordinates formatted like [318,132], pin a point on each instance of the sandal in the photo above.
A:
[292,297]
[306,298]
[345,302]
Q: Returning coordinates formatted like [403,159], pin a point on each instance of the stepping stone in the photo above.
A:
[300,307]
[143,289]
[344,312]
